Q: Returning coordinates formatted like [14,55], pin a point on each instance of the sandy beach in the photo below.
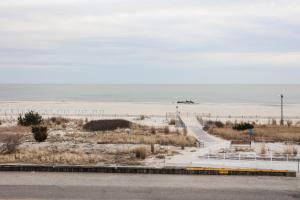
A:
[220,109]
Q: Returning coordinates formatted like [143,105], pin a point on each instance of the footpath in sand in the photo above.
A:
[208,143]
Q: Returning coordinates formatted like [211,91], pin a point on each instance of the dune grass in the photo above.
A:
[262,133]
[143,142]
[172,139]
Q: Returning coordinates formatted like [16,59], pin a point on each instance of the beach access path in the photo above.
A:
[208,142]
[211,143]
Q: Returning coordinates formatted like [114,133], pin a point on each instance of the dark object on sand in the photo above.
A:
[186,102]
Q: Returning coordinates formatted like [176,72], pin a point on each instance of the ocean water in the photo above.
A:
[257,94]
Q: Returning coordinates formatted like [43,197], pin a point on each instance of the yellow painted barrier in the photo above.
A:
[228,171]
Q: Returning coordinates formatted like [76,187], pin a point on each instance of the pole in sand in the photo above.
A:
[281,119]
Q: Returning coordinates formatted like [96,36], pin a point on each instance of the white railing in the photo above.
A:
[239,156]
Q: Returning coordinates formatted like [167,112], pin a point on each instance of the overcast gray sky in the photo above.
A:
[150,41]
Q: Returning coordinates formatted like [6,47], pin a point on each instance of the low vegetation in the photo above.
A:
[10,143]
[241,126]
[172,122]
[135,138]
[261,133]
[107,125]
[78,141]
[213,124]
[166,130]
[30,119]
[291,150]
[58,120]
[40,133]
[140,152]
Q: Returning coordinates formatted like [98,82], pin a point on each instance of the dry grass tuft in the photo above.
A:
[59,120]
[140,152]
[166,130]
[134,138]
[79,157]
[263,149]
[172,122]
[152,130]
[291,150]
[4,131]
[10,144]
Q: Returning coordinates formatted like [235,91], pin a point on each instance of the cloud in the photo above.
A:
[190,34]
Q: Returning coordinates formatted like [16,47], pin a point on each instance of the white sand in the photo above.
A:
[149,108]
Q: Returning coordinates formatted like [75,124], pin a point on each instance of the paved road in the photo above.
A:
[125,186]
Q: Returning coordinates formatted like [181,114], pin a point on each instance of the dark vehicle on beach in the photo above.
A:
[186,102]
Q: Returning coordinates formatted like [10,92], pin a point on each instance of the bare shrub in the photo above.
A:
[142,117]
[10,144]
[140,152]
[219,124]
[291,150]
[172,122]
[263,149]
[289,123]
[79,123]
[295,151]
[182,142]
[152,130]
[107,125]
[166,130]
[152,148]
[185,131]
[59,120]
[160,156]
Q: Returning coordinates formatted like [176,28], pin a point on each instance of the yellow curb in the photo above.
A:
[226,170]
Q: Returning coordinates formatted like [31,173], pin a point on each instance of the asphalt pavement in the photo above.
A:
[131,186]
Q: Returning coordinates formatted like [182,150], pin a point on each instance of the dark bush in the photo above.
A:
[30,118]
[242,126]
[40,133]
[140,152]
[152,130]
[166,130]
[172,122]
[219,124]
[106,125]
